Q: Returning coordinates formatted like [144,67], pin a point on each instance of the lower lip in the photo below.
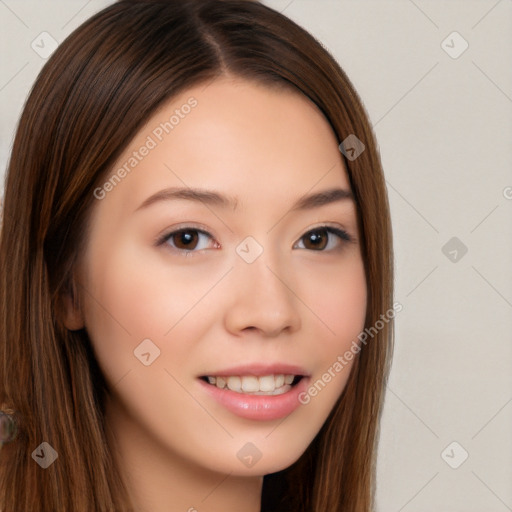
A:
[258,407]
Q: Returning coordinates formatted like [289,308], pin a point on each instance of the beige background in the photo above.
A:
[444,129]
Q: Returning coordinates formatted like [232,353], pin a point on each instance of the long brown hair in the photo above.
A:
[93,95]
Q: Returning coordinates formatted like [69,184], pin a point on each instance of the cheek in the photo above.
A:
[131,299]
[153,290]
[338,296]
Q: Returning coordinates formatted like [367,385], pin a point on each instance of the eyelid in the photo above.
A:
[336,227]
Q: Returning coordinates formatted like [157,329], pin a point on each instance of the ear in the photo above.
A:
[71,313]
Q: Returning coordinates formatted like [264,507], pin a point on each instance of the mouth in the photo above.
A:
[269,385]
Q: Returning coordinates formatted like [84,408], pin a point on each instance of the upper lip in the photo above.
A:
[259,370]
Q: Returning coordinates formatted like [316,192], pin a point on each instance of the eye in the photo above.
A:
[323,238]
[186,240]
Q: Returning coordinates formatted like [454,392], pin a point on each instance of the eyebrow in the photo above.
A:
[212,198]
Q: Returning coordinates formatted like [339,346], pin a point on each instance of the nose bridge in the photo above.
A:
[263,297]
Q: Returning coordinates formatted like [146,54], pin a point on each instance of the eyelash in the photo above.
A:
[340,233]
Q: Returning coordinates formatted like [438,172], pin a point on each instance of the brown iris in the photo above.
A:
[318,239]
[187,237]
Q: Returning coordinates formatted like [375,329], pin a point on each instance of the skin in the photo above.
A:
[209,310]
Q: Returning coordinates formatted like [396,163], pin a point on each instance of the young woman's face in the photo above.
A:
[259,282]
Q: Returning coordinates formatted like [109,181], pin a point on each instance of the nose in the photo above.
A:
[262,299]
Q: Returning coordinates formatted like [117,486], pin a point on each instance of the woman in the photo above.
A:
[196,250]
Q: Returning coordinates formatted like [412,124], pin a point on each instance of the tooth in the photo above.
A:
[235,383]
[282,390]
[250,384]
[278,391]
[279,380]
[267,383]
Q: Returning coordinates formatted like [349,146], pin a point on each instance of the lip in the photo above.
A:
[258,407]
[259,370]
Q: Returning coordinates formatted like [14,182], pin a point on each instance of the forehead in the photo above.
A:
[247,140]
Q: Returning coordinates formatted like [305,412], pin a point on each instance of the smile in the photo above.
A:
[250,384]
